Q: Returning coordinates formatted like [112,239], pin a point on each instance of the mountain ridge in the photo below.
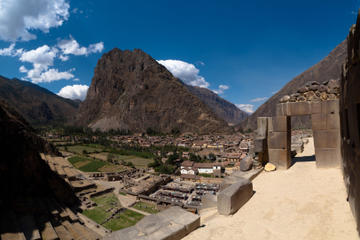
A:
[131,91]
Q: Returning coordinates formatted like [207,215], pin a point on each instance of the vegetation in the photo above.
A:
[146,207]
[101,212]
[104,202]
[125,219]
[207,175]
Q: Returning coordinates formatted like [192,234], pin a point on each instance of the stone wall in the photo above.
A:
[350,120]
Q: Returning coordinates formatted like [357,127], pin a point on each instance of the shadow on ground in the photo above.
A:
[303,159]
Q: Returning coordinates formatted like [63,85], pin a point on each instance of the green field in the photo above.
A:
[146,207]
[104,202]
[87,164]
[89,148]
[125,219]
[100,213]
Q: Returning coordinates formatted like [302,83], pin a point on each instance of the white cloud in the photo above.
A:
[11,51]
[221,89]
[260,99]
[51,75]
[19,17]
[249,108]
[42,58]
[23,69]
[187,72]
[74,92]
[71,46]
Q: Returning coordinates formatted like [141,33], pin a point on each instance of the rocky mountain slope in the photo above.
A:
[36,104]
[327,69]
[222,108]
[132,91]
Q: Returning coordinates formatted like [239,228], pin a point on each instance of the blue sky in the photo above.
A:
[244,50]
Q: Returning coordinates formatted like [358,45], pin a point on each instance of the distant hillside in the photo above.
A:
[132,91]
[222,108]
[36,104]
[326,69]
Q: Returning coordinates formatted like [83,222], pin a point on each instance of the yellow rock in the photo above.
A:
[270,167]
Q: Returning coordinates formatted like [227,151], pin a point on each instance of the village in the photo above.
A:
[125,168]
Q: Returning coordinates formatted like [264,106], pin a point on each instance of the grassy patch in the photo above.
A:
[146,207]
[76,159]
[104,202]
[100,213]
[90,148]
[125,219]
[87,164]
[93,166]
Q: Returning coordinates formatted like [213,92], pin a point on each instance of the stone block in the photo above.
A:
[330,106]
[299,108]
[327,138]
[279,124]
[318,121]
[315,107]
[333,120]
[281,109]
[278,140]
[327,157]
[262,126]
[259,145]
[280,158]
[234,197]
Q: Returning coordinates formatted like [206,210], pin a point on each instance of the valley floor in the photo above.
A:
[300,203]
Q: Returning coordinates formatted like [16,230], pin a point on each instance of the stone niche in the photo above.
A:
[325,121]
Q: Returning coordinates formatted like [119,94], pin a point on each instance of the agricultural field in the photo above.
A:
[86,148]
[138,162]
[146,207]
[102,211]
[87,164]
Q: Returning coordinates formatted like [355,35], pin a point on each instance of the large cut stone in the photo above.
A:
[327,157]
[327,138]
[279,124]
[234,197]
[280,158]
[262,127]
[278,140]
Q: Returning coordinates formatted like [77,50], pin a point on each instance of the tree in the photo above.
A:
[212,157]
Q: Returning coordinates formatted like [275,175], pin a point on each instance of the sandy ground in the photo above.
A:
[302,202]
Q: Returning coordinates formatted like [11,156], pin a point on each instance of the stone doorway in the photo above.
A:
[276,135]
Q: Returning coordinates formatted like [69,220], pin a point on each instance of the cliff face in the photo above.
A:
[222,108]
[350,120]
[131,91]
[37,104]
[327,69]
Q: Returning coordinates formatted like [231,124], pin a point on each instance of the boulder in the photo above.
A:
[246,164]
[269,167]
[285,99]
[303,89]
[234,197]
[301,99]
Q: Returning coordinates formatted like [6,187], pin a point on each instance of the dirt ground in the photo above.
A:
[302,202]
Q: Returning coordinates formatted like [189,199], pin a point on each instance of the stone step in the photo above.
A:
[63,233]
[46,229]
[73,217]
